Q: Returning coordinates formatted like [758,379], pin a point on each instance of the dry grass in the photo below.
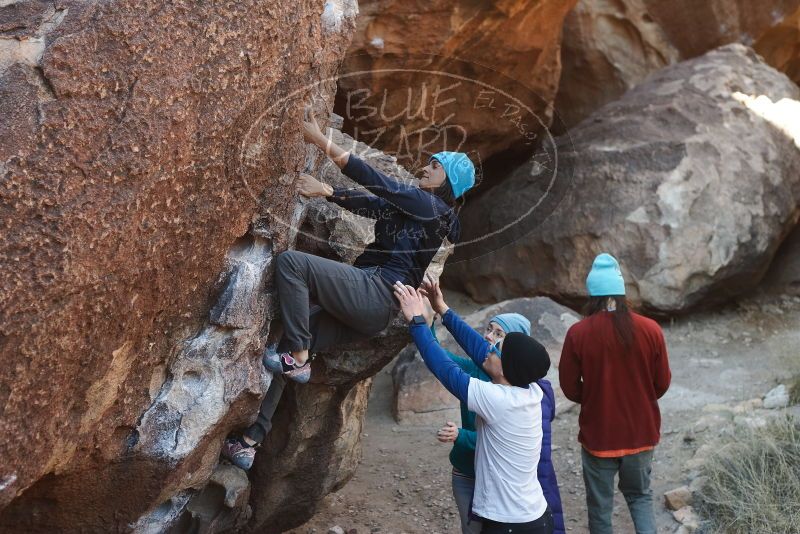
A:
[794,390]
[754,482]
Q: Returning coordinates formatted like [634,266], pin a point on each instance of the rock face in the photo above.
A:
[493,59]
[147,154]
[420,399]
[610,46]
[661,179]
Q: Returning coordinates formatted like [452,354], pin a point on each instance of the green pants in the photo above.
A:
[634,483]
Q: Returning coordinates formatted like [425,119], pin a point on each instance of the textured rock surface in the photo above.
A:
[694,214]
[420,399]
[147,154]
[510,45]
[611,45]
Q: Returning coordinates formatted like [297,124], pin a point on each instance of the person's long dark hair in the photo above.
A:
[621,317]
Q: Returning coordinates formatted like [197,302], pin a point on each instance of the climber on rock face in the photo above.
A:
[355,301]
[464,439]
[507,496]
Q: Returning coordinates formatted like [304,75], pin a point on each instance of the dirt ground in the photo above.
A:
[403,482]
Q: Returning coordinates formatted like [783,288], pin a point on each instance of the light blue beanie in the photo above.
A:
[511,322]
[605,278]
[459,170]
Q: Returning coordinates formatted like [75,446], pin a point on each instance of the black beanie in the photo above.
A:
[524,359]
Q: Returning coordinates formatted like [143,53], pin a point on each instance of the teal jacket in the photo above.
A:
[462,455]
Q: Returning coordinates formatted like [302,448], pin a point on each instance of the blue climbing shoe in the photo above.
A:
[285,364]
[238,453]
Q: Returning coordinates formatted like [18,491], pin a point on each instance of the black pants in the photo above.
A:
[258,431]
[543,525]
[359,302]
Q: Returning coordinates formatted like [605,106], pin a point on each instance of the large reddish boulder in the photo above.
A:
[426,76]
[147,154]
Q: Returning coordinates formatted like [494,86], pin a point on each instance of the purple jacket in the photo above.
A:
[546,472]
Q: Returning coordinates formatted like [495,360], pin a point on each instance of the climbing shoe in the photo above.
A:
[285,364]
[238,453]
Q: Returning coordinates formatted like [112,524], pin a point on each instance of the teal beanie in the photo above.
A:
[511,322]
[459,170]
[605,278]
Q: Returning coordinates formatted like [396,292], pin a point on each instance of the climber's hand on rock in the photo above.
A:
[308,186]
[313,134]
[448,433]
[311,130]
[411,302]
[430,288]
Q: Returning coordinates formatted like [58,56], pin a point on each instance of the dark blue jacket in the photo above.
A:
[546,473]
[453,376]
[410,224]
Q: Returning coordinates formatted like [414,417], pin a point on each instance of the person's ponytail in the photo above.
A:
[620,317]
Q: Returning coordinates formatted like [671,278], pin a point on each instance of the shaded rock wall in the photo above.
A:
[508,45]
[781,46]
[783,275]
[689,179]
[611,45]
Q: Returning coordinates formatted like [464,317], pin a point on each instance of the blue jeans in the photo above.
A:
[634,483]
[463,488]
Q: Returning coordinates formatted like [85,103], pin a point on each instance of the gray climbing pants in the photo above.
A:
[352,304]
[355,303]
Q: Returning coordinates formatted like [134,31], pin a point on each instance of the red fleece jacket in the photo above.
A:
[618,392]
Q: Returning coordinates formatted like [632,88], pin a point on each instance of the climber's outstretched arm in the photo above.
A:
[313,134]
[452,377]
[471,341]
